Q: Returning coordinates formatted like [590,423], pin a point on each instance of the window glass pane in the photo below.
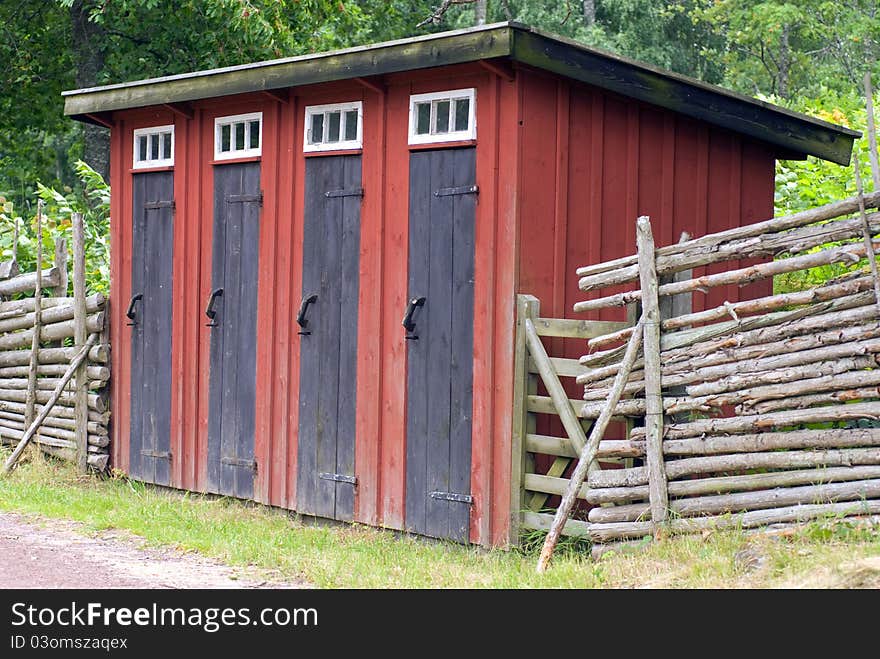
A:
[154,147]
[351,125]
[254,142]
[441,116]
[333,120]
[239,136]
[142,148]
[225,139]
[423,118]
[462,113]
[317,128]
[166,146]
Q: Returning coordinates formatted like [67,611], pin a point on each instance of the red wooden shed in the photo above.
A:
[273,222]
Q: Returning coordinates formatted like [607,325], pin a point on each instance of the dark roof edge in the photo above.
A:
[764,121]
[444,48]
[791,131]
[294,59]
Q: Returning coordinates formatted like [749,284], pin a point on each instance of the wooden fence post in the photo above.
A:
[869,244]
[61,265]
[38,323]
[80,319]
[657,491]
[527,306]
[872,133]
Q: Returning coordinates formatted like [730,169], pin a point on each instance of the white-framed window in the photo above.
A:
[442,116]
[334,127]
[238,136]
[153,147]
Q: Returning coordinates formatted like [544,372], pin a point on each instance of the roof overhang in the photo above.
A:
[793,133]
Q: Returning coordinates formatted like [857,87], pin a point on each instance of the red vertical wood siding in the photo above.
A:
[563,170]
[625,159]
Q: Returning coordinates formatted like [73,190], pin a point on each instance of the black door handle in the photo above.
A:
[408,323]
[301,319]
[210,311]
[130,313]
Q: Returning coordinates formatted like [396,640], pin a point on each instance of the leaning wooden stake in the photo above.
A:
[872,133]
[38,322]
[588,454]
[869,246]
[80,321]
[15,242]
[32,429]
[659,496]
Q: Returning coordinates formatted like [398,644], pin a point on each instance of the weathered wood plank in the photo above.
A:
[542,522]
[575,329]
[526,306]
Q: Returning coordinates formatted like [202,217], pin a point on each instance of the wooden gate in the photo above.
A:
[439,325]
[328,328]
[532,487]
[149,314]
[232,316]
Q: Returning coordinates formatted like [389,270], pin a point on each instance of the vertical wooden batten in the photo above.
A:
[370,340]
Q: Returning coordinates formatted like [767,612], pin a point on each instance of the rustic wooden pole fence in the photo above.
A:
[59,389]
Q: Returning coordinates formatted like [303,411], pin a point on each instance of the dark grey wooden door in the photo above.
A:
[328,345]
[150,323]
[233,359]
[442,208]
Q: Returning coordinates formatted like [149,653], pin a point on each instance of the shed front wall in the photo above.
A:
[380,453]
[563,170]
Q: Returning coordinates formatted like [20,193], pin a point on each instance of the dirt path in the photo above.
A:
[37,552]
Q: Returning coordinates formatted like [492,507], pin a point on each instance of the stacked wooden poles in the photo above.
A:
[760,373]
[35,425]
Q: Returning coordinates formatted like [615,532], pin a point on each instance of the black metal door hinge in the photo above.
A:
[351,192]
[449,192]
[159,455]
[244,198]
[454,497]
[239,462]
[153,205]
[339,478]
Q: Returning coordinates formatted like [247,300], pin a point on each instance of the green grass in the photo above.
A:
[279,546]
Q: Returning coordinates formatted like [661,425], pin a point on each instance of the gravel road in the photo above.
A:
[37,552]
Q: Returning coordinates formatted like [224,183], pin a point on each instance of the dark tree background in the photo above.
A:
[808,54]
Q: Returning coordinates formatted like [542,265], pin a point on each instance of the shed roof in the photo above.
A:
[796,134]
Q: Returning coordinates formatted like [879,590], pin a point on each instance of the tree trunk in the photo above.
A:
[784,61]
[88,53]
[589,11]
[480,12]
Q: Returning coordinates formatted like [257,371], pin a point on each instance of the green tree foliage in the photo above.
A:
[793,49]
[92,199]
